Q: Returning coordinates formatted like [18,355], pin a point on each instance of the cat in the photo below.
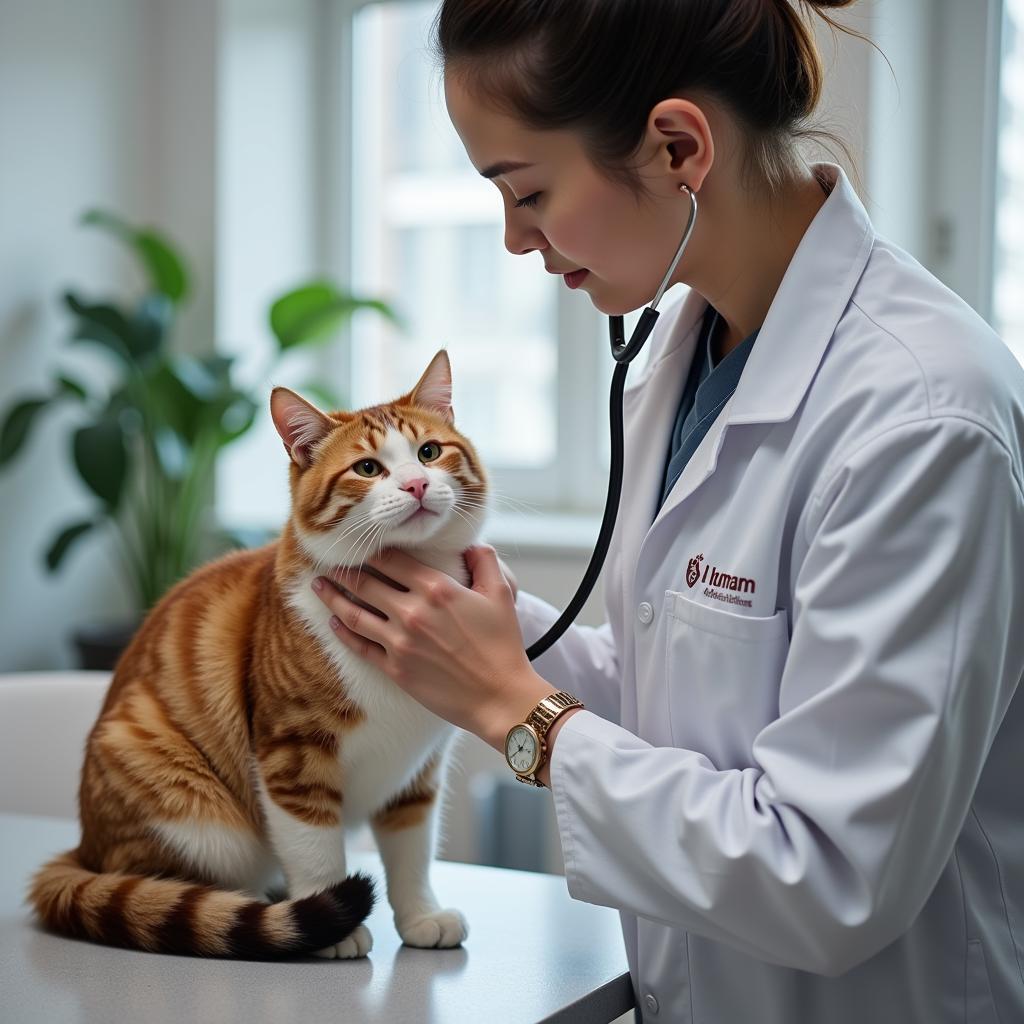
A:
[240,736]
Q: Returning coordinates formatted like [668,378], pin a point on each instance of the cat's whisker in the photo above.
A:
[506,499]
[358,524]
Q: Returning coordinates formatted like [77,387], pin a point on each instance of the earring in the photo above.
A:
[683,187]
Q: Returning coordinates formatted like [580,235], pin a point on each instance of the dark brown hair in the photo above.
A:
[597,67]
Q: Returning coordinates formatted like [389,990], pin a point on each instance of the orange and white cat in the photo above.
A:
[240,736]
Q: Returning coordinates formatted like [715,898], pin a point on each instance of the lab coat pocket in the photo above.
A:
[723,672]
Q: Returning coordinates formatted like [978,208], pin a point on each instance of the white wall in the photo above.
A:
[76,132]
[104,104]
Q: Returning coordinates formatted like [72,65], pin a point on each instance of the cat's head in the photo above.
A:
[393,475]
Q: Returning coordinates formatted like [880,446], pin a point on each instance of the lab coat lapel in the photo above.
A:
[649,410]
[812,297]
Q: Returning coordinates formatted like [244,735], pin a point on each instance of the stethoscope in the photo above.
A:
[623,353]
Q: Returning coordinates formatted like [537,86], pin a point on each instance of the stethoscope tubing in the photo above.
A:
[623,354]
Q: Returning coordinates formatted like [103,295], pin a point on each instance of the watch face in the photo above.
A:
[521,749]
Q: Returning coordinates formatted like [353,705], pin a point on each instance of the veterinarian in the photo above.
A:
[798,771]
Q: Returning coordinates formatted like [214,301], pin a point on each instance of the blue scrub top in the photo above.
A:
[708,388]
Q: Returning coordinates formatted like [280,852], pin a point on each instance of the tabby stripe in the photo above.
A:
[311,789]
[328,744]
[469,458]
[75,920]
[310,815]
[326,493]
[178,932]
[246,936]
[406,813]
[112,921]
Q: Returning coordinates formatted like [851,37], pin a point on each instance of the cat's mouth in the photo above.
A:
[421,513]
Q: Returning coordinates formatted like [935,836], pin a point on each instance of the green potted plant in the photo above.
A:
[146,447]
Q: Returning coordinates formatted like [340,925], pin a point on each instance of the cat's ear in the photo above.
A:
[434,390]
[301,425]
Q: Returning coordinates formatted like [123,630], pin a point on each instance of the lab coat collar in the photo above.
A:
[814,292]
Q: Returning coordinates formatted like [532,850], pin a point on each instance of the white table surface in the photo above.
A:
[533,954]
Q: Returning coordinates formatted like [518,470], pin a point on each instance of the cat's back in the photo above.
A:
[203,626]
[184,679]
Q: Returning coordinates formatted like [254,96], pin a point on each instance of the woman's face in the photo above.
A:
[575,218]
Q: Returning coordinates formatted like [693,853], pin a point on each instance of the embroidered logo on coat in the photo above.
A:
[693,571]
[718,581]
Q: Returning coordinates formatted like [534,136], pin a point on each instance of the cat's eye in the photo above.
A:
[429,451]
[368,468]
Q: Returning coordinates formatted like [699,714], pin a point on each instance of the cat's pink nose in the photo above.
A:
[416,487]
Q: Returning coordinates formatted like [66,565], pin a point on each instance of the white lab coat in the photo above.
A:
[800,777]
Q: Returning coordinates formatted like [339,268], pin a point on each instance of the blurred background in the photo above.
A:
[286,172]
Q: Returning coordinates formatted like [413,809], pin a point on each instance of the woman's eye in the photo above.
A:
[368,467]
[527,200]
[430,451]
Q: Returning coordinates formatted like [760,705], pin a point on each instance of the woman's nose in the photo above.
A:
[521,238]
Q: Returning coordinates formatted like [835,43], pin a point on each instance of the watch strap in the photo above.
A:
[544,714]
[548,708]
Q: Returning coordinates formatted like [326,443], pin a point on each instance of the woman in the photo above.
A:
[797,772]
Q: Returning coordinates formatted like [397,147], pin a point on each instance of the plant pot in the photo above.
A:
[100,645]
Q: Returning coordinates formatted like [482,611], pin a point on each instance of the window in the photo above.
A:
[427,233]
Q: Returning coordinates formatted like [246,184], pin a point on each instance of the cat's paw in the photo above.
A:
[439,930]
[358,944]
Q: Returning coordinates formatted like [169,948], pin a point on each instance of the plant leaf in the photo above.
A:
[17,426]
[164,265]
[70,386]
[172,453]
[237,418]
[103,324]
[174,401]
[62,544]
[315,311]
[151,323]
[101,458]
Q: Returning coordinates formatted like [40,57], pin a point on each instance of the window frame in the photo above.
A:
[969,39]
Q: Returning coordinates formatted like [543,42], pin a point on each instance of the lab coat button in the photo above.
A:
[651,1003]
[645,613]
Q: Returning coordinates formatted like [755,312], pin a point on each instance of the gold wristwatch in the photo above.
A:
[526,749]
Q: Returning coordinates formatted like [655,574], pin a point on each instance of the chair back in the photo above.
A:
[45,718]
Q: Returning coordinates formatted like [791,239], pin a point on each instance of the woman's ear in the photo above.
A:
[679,134]
[302,426]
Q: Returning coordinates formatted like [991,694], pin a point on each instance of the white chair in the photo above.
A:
[45,718]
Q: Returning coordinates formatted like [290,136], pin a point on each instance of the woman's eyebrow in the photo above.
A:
[503,168]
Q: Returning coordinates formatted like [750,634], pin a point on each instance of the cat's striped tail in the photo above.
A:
[166,915]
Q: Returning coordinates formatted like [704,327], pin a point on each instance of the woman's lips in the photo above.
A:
[575,279]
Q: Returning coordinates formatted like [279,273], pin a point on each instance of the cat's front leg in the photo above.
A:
[405,831]
[305,829]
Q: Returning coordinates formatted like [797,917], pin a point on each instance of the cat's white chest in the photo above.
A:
[383,754]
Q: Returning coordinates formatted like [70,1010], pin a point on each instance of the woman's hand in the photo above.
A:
[457,650]
[509,577]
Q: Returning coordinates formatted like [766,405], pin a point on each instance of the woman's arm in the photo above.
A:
[584,661]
